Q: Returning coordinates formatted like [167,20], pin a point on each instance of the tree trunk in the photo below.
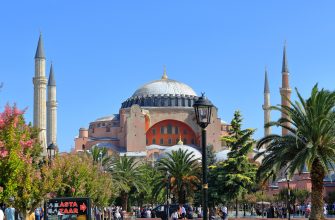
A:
[124,197]
[317,176]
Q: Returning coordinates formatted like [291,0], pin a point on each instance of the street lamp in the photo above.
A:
[168,178]
[51,150]
[288,196]
[203,111]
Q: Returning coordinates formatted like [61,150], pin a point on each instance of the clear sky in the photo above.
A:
[104,50]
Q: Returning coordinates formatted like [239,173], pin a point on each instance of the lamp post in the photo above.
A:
[168,178]
[51,150]
[203,111]
[288,197]
[100,154]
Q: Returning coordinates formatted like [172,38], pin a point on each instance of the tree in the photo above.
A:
[23,175]
[126,176]
[146,195]
[184,171]
[310,142]
[235,177]
[81,178]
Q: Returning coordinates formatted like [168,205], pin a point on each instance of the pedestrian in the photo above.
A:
[2,215]
[174,215]
[10,213]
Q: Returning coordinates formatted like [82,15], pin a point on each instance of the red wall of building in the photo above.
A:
[154,135]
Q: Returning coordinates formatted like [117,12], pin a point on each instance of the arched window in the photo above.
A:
[83,147]
[153,141]
[170,141]
[185,141]
[169,129]
[176,130]
[162,130]
[161,141]
[193,141]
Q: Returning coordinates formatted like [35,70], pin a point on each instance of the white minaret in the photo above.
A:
[40,82]
[266,106]
[52,109]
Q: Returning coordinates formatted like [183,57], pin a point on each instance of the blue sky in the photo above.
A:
[104,50]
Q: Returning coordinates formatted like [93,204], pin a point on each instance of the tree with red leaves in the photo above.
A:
[23,175]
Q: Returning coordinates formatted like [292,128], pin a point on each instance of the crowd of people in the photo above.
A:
[9,213]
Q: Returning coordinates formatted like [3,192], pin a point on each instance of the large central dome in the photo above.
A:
[164,86]
[162,93]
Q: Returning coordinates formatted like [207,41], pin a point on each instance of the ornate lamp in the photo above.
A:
[51,150]
[203,111]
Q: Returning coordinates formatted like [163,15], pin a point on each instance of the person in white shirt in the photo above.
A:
[2,215]
[174,215]
[148,213]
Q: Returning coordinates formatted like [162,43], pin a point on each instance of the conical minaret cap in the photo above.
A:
[40,49]
[52,81]
[285,66]
[266,83]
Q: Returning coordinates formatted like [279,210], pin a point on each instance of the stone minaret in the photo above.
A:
[266,106]
[285,90]
[40,82]
[52,109]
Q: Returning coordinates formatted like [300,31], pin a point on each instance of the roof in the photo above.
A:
[52,81]
[40,49]
[164,87]
[114,117]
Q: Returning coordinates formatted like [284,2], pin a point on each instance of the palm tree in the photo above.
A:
[126,176]
[184,172]
[310,143]
[100,156]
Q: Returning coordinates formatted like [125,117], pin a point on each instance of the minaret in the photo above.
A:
[40,82]
[266,106]
[285,90]
[52,109]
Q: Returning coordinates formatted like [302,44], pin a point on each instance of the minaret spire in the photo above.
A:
[40,48]
[40,83]
[285,90]
[284,66]
[266,105]
[52,109]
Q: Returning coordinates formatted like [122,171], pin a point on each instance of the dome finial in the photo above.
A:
[164,73]
[180,142]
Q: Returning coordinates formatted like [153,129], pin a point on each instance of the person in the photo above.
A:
[38,213]
[117,214]
[148,213]
[174,215]
[182,212]
[224,211]
[10,213]
[2,215]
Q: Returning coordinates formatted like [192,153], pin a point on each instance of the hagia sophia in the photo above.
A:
[158,118]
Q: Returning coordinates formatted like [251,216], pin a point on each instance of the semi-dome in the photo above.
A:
[195,153]
[164,87]
[161,93]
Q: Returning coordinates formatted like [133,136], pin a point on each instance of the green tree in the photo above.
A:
[184,171]
[81,178]
[311,125]
[126,176]
[146,195]
[232,179]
